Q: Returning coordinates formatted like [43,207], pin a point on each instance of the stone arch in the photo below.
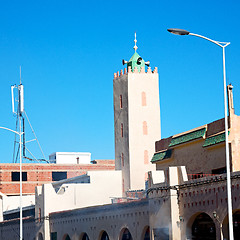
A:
[201,226]
[84,236]
[236,225]
[145,233]
[125,234]
[40,236]
[103,235]
[66,237]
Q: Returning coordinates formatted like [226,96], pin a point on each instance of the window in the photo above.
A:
[57,176]
[146,157]
[121,130]
[122,159]
[145,129]
[39,215]
[219,171]
[120,99]
[16,176]
[144,99]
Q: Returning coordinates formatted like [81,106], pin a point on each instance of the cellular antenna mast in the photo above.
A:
[20,113]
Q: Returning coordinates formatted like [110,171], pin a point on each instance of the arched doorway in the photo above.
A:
[236,225]
[66,237]
[104,236]
[146,233]
[84,237]
[40,236]
[203,228]
[126,235]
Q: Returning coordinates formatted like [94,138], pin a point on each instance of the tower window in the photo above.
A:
[120,99]
[121,130]
[144,99]
[145,129]
[122,159]
[146,157]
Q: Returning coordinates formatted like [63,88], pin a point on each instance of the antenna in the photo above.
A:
[12,88]
[21,98]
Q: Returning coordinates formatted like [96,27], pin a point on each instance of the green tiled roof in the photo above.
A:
[133,62]
[188,137]
[215,139]
[162,155]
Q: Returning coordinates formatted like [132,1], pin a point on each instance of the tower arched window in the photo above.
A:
[144,99]
[122,159]
[145,128]
[120,101]
[146,160]
[121,129]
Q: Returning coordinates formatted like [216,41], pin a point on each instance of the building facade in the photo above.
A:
[185,195]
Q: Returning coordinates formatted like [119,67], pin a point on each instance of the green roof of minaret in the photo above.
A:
[133,62]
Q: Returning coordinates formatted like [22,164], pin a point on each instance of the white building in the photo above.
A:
[70,158]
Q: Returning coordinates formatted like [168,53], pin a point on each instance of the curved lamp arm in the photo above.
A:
[220,44]
[11,130]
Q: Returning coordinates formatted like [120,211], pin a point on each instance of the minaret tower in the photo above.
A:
[136,120]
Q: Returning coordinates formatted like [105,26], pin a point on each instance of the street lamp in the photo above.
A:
[20,153]
[222,45]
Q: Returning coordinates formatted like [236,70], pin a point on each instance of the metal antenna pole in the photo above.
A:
[20,148]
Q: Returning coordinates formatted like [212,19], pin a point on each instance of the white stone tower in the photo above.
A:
[136,121]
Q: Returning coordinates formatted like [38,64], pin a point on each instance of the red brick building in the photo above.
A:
[34,174]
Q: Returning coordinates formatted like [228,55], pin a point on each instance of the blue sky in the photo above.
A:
[69,50]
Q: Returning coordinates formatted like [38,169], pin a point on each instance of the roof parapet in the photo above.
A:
[135,71]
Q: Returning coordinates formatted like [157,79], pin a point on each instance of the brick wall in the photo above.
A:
[38,174]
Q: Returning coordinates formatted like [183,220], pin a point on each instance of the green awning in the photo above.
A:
[215,139]
[188,137]
[161,155]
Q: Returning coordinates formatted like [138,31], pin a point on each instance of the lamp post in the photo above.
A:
[222,45]
[20,153]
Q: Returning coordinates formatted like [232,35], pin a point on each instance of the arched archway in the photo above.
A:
[146,233]
[40,236]
[236,225]
[203,228]
[66,237]
[104,236]
[84,236]
[125,235]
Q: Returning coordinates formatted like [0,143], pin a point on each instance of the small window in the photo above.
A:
[122,159]
[144,99]
[16,176]
[120,99]
[121,130]
[146,160]
[57,176]
[219,170]
[39,215]
[145,128]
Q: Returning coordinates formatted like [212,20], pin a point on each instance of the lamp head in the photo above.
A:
[214,214]
[178,31]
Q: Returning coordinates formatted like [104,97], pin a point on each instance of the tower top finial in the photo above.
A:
[135,40]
